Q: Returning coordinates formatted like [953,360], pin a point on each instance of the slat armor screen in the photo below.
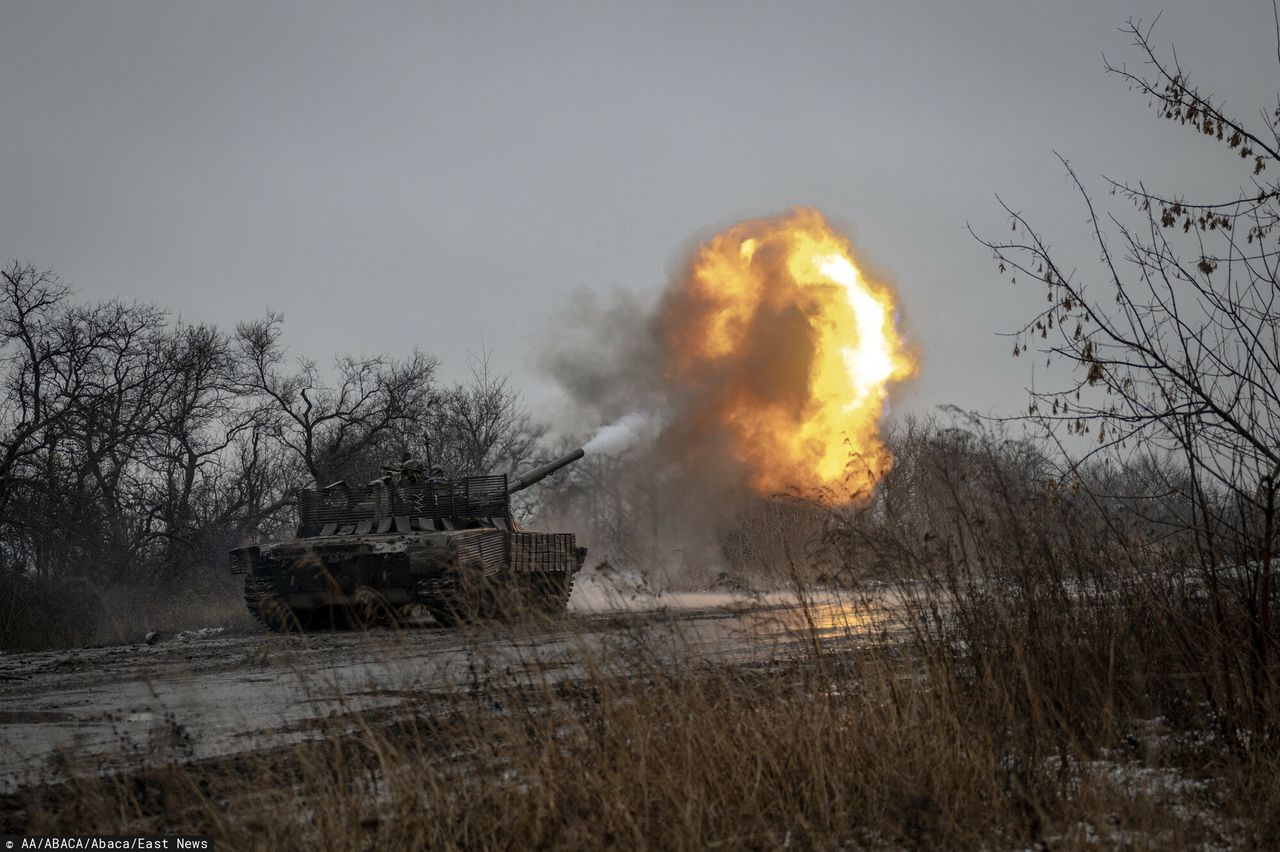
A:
[458,499]
[542,551]
[488,550]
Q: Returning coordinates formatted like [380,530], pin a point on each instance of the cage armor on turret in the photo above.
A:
[369,554]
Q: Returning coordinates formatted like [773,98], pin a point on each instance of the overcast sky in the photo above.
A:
[391,175]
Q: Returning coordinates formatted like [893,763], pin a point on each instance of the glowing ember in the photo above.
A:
[787,350]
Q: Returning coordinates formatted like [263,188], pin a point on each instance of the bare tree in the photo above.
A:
[43,370]
[328,426]
[188,455]
[1174,345]
[481,426]
[84,388]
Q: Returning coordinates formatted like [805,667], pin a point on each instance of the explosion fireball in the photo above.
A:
[786,351]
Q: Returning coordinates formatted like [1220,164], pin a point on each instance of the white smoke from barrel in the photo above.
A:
[621,434]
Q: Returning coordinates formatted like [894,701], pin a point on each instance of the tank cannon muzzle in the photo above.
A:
[538,474]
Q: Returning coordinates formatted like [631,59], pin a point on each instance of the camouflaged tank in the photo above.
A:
[373,554]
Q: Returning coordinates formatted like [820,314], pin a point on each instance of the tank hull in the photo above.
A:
[370,554]
[358,581]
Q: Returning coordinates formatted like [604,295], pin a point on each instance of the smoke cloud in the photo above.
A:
[648,519]
[761,371]
[611,363]
[621,434]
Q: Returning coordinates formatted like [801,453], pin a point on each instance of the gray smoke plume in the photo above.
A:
[606,358]
[623,433]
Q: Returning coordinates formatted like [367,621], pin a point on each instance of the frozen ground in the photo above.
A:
[207,692]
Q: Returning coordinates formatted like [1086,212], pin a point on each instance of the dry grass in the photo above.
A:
[1049,687]
[913,744]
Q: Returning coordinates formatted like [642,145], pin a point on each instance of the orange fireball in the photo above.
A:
[787,350]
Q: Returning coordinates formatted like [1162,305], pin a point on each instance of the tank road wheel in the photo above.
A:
[266,606]
[447,615]
[472,597]
[370,609]
[325,618]
[278,616]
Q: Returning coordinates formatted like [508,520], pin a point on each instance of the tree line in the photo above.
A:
[136,450]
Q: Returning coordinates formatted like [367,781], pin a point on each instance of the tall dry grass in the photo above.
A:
[1041,682]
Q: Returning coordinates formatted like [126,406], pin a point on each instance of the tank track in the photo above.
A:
[265,604]
[257,592]
[544,593]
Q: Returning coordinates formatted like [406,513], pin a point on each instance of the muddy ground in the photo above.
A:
[216,692]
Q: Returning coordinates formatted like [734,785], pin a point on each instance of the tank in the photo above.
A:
[378,553]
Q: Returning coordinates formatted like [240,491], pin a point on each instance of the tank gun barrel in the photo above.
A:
[538,474]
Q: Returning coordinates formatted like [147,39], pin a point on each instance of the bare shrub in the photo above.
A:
[1172,347]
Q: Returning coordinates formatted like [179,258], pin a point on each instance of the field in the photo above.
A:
[943,713]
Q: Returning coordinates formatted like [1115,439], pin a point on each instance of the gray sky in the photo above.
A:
[400,174]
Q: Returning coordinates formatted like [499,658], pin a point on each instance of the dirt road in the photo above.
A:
[210,692]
